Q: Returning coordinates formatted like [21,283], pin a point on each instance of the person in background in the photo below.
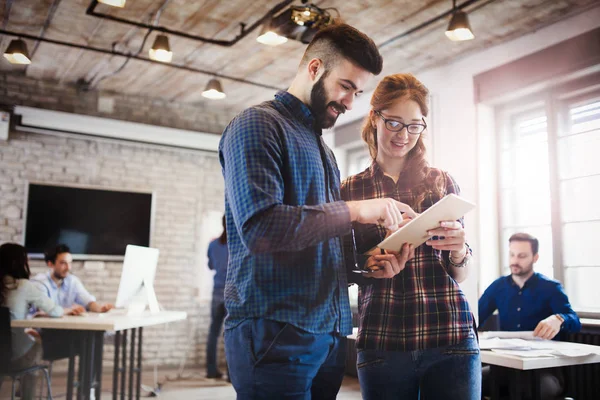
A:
[17,293]
[416,336]
[529,301]
[286,292]
[62,286]
[217,261]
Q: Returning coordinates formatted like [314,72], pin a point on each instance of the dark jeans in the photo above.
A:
[275,360]
[217,315]
[445,373]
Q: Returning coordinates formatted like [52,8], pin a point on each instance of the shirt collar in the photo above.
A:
[65,282]
[531,282]
[298,109]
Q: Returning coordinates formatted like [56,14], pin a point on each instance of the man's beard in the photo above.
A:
[319,105]
[59,276]
[521,271]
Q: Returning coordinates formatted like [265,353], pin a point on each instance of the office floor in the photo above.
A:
[195,387]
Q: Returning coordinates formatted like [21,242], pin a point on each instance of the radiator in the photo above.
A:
[583,381]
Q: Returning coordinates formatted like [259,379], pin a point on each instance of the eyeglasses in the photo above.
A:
[396,126]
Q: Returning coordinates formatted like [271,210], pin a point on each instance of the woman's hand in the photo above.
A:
[452,237]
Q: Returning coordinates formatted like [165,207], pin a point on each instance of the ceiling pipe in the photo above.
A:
[91,10]
[430,21]
[136,57]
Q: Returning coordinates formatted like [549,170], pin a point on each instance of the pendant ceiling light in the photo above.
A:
[16,52]
[161,51]
[114,3]
[214,90]
[269,36]
[459,28]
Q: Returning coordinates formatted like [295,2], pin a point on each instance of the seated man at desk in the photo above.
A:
[529,301]
[64,288]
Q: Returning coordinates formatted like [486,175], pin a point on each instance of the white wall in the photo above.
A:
[463,134]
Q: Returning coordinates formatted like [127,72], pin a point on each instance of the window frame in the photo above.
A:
[555,101]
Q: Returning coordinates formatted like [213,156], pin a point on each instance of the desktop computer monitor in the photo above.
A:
[136,288]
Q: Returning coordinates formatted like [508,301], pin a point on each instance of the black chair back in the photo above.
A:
[5,337]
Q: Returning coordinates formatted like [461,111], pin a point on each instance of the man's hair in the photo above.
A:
[343,41]
[526,237]
[50,255]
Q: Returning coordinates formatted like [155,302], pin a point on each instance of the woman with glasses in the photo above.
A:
[416,337]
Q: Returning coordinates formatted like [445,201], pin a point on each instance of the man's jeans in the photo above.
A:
[217,315]
[445,373]
[275,360]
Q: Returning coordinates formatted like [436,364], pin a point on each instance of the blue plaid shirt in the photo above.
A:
[284,220]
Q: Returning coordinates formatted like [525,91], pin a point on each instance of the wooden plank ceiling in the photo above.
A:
[492,22]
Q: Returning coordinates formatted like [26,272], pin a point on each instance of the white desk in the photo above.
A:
[89,331]
[101,322]
[529,363]
[535,363]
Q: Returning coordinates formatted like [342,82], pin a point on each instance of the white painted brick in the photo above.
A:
[186,184]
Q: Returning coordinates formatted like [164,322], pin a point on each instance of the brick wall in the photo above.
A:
[186,184]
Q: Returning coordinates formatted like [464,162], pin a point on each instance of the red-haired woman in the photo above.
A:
[416,337]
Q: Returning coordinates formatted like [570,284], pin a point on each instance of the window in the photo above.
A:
[549,186]
[578,148]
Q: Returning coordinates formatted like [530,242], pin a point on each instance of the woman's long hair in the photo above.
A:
[421,177]
[223,237]
[13,263]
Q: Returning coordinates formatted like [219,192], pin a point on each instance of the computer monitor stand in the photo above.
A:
[145,296]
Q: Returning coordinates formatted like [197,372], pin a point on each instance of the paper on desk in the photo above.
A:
[525,353]
[513,344]
[546,352]
[528,335]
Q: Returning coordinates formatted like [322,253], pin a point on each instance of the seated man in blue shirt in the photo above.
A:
[529,301]
[64,288]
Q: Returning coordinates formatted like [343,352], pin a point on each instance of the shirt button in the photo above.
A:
[519,309]
[520,293]
[518,325]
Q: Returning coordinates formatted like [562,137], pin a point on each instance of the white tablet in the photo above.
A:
[449,208]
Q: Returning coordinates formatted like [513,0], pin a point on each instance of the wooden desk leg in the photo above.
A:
[494,382]
[116,365]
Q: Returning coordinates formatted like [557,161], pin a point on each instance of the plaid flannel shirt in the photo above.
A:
[422,307]
[285,220]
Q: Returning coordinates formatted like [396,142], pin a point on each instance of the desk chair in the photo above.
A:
[6,356]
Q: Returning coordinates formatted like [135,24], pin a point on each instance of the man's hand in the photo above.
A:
[99,308]
[106,307]
[548,328]
[390,264]
[386,212]
[74,310]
